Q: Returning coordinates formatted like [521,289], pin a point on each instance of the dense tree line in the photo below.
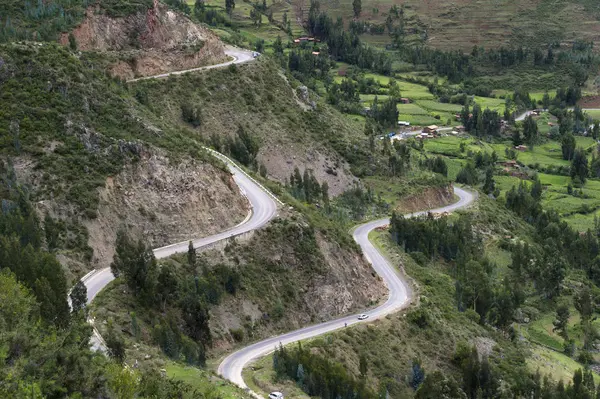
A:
[458,66]
[480,123]
[305,187]
[184,300]
[345,46]
[317,375]
[21,251]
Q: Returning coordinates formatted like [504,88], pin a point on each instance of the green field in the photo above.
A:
[437,106]
[496,104]
[578,211]
[457,25]
[594,113]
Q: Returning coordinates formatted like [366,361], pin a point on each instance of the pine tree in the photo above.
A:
[356,7]
[567,146]
[489,185]
[579,166]
[191,254]
[229,6]
[562,321]
[78,297]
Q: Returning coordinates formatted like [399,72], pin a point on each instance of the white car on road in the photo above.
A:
[363,316]
[275,395]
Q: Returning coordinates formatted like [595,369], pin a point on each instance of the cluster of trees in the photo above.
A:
[385,113]
[303,64]
[21,239]
[480,379]
[358,201]
[480,123]
[345,46]
[306,187]
[436,165]
[183,300]
[426,238]
[243,147]
[345,96]
[46,350]
[458,66]
[471,174]
[454,65]
[434,237]
[318,376]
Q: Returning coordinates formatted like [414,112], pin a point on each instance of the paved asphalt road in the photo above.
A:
[239,56]
[264,208]
[399,294]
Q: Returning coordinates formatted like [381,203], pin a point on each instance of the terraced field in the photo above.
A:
[578,210]
[461,24]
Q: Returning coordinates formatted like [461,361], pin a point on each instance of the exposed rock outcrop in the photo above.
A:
[158,41]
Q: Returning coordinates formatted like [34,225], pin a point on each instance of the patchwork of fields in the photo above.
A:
[578,210]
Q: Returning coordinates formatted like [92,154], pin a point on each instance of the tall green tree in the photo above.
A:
[229,6]
[530,131]
[191,254]
[561,323]
[136,262]
[78,297]
[567,145]
[579,166]
[356,7]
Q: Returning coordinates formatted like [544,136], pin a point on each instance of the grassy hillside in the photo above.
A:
[433,332]
[463,24]
[290,130]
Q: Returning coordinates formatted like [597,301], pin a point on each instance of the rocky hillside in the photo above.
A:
[94,160]
[290,128]
[287,275]
[147,43]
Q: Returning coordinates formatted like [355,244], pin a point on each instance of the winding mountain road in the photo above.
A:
[399,295]
[264,208]
[239,56]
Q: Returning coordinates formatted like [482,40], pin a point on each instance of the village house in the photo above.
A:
[431,129]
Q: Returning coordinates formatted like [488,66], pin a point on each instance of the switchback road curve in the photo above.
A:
[238,56]
[399,295]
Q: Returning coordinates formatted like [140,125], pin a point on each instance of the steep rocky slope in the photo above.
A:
[164,202]
[94,160]
[290,129]
[157,41]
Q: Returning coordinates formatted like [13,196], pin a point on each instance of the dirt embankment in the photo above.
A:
[429,198]
[164,202]
[589,102]
[150,43]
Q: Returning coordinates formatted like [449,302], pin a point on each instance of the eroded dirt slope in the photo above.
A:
[143,44]
[164,202]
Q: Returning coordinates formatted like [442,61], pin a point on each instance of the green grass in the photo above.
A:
[554,364]
[495,104]
[368,98]
[595,114]
[411,109]
[203,381]
[437,106]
